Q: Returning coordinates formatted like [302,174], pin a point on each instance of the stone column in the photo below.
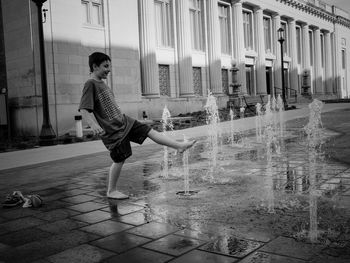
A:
[239,49]
[214,49]
[318,63]
[260,62]
[277,51]
[184,49]
[149,68]
[306,47]
[328,63]
[294,56]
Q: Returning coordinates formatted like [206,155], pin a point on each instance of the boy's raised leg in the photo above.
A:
[113,176]
[167,141]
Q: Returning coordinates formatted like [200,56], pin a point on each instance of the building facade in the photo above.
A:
[169,52]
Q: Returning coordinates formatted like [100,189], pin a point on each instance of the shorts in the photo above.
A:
[138,134]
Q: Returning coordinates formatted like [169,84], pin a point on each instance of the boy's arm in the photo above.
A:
[90,119]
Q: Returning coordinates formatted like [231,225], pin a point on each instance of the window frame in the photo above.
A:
[251,45]
[197,34]
[322,47]
[311,47]
[166,25]
[270,49]
[226,47]
[299,44]
[89,17]
[285,26]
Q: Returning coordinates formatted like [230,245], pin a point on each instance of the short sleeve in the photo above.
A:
[87,98]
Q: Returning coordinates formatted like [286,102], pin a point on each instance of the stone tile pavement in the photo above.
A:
[78,224]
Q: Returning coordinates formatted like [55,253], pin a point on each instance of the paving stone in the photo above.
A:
[19,212]
[289,247]
[83,253]
[57,214]
[62,226]
[76,191]
[42,249]
[77,199]
[41,261]
[87,207]
[69,186]
[49,191]
[193,234]
[24,236]
[329,259]
[106,228]
[93,217]
[51,205]
[125,209]
[262,257]
[232,246]
[101,193]
[199,256]
[136,218]
[19,224]
[174,245]
[4,247]
[53,197]
[153,230]
[139,255]
[121,242]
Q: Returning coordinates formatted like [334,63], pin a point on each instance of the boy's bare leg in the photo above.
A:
[113,176]
[167,141]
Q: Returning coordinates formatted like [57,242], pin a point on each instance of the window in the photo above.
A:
[224,78]
[196,20]
[248,30]
[267,34]
[299,44]
[343,59]
[92,12]
[224,29]
[163,23]
[311,43]
[249,72]
[197,80]
[164,80]
[286,40]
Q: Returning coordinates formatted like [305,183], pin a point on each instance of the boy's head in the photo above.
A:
[97,58]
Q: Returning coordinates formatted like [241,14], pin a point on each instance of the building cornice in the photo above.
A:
[309,8]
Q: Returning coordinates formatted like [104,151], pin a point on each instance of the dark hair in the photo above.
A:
[97,58]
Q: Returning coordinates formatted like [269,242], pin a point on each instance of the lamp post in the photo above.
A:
[281,39]
[47,134]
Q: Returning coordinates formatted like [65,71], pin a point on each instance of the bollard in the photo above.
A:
[78,126]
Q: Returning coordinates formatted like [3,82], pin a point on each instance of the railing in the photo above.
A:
[295,95]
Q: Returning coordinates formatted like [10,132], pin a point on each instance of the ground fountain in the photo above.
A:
[313,131]
[258,122]
[166,124]
[212,120]
[269,134]
[232,131]
[280,109]
[186,170]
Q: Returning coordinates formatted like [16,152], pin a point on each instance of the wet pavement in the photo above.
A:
[246,209]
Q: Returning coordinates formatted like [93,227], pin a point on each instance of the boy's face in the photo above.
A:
[102,71]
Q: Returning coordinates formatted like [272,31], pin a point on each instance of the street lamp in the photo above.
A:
[47,134]
[281,39]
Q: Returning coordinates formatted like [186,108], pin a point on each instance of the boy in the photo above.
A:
[116,130]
